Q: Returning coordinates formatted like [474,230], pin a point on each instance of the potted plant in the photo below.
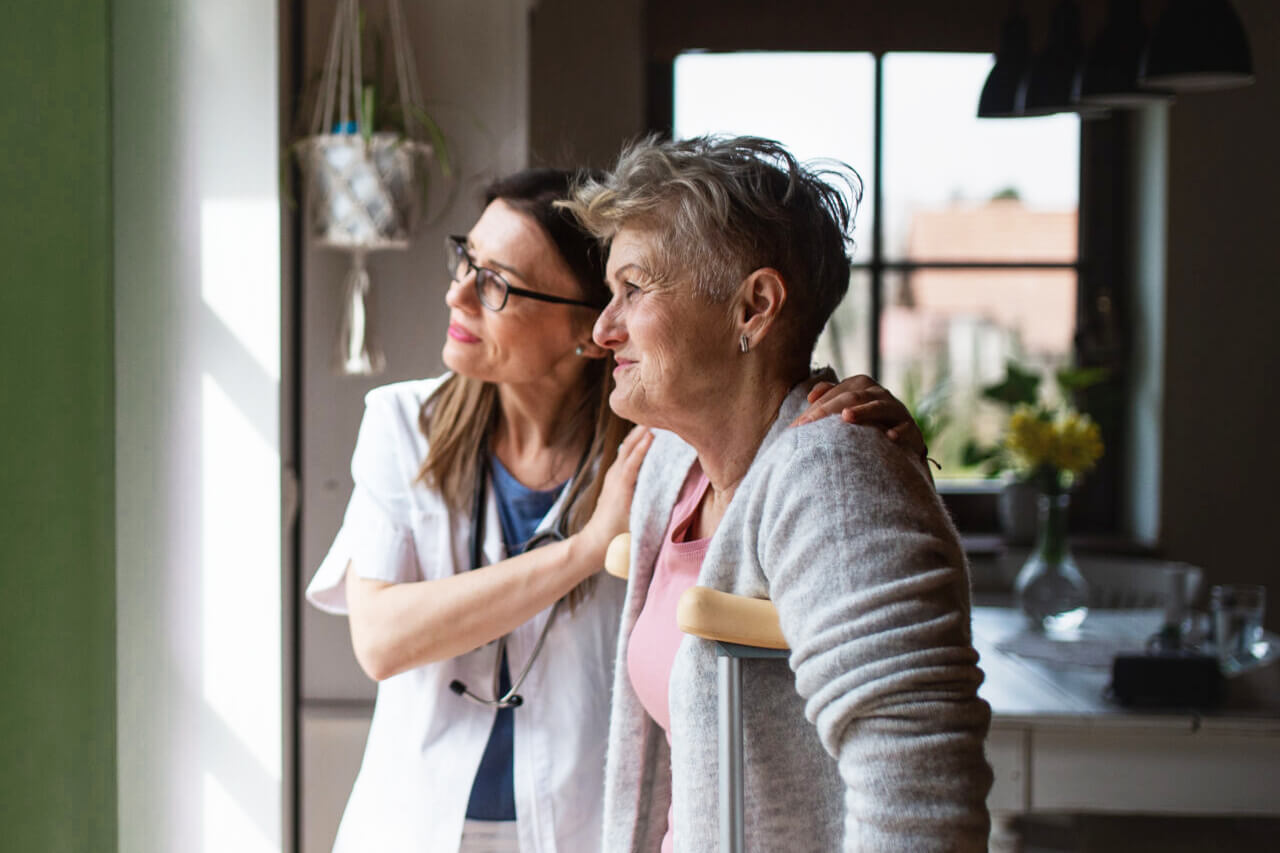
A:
[1016,504]
[1047,445]
[365,162]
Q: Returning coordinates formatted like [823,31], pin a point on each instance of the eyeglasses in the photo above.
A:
[491,288]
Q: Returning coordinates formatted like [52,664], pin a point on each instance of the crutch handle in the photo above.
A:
[728,618]
[617,557]
[710,613]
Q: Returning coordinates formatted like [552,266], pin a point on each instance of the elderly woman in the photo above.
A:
[726,259]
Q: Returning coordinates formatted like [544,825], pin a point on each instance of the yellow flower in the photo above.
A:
[1029,437]
[1078,443]
[1070,444]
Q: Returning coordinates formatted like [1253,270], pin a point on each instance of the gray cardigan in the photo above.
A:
[870,736]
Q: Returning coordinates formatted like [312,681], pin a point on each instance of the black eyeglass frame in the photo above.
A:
[456,248]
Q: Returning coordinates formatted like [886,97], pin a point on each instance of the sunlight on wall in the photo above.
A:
[226,825]
[240,273]
[240,615]
[240,502]
[200,611]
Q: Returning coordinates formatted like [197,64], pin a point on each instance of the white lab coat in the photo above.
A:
[425,742]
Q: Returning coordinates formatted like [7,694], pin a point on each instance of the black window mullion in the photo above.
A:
[912,266]
[877,229]
[660,97]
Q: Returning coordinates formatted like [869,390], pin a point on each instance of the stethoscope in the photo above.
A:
[511,698]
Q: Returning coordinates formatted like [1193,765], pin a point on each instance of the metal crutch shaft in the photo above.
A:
[732,803]
[732,773]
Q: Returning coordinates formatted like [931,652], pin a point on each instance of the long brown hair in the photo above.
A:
[459,417]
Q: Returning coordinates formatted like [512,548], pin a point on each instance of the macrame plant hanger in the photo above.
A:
[363,187]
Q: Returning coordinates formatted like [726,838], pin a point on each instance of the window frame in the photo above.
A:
[1101,263]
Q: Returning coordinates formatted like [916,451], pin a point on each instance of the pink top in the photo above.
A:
[655,637]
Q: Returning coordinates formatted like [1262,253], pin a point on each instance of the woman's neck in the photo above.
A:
[727,441]
[728,437]
[531,436]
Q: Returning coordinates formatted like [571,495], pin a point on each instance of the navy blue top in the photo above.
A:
[521,510]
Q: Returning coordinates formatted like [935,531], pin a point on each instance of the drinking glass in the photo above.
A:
[1238,610]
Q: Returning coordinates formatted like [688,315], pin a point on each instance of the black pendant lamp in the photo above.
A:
[1196,46]
[1047,86]
[1012,59]
[1108,77]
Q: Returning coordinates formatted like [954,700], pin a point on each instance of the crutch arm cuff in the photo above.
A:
[728,618]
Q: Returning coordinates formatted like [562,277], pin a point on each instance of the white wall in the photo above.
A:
[198,330]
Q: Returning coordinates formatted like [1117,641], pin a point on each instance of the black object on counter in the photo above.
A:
[1167,680]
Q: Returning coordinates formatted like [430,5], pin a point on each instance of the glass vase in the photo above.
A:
[1050,589]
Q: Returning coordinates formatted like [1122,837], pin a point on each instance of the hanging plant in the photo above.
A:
[366,162]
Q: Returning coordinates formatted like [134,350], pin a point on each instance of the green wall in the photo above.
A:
[57,550]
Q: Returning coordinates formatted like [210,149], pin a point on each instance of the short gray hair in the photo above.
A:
[721,207]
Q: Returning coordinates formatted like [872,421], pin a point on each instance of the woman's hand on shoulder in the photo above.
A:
[613,508]
[861,400]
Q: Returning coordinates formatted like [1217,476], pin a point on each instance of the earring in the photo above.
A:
[743,343]
[579,350]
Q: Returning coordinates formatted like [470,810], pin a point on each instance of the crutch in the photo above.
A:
[742,628]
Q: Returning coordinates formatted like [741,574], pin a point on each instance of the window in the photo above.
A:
[966,245]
